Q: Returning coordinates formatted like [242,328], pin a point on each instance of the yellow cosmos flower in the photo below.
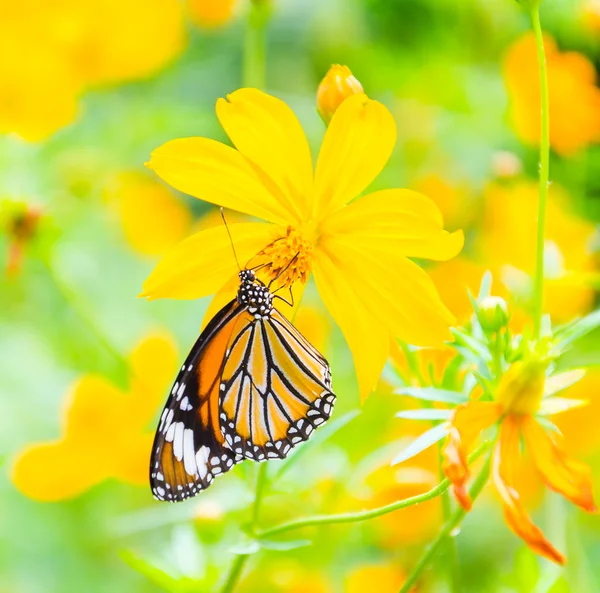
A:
[574,97]
[519,400]
[507,245]
[386,579]
[211,13]
[358,252]
[106,433]
[153,219]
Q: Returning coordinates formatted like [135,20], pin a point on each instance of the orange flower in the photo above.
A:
[519,399]
[211,13]
[106,432]
[574,97]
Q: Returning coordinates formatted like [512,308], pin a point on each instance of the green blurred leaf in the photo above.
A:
[422,442]
[425,414]
[577,329]
[284,546]
[556,405]
[433,394]
[245,547]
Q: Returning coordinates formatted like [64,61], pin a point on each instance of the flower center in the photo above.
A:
[521,389]
[287,260]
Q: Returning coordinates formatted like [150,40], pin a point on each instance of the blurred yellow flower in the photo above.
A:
[359,253]
[211,13]
[337,85]
[574,97]
[106,433]
[380,577]
[153,218]
[283,575]
[507,245]
[66,46]
[590,15]
[454,200]
[518,400]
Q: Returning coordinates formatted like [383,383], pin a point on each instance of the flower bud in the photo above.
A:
[338,84]
[493,314]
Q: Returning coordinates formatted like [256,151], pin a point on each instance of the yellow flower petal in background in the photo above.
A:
[202,263]
[200,166]
[266,131]
[211,13]
[386,579]
[312,322]
[356,147]
[454,200]
[106,432]
[27,108]
[153,219]
[397,221]
[367,339]
[571,77]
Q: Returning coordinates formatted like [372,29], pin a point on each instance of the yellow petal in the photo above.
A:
[154,363]
[153,218]
[503,469]
[562,473]
[201,264]
[57,471]
[367,339]
[399,221]
[266,131]
[396,291]
[218,174]
[132,467]
[356,147]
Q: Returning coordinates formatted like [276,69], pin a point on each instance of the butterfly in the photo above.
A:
[252,387]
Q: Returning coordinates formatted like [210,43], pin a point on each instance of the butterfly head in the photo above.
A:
[254,295]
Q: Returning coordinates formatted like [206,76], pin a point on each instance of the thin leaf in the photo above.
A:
[548,424]
[556,405]
[318,439]
[576,330]
[422,442]
[485,289]
[471,343]
[433,394]
[245,547]
[284,546]
[425,414]
[562,381]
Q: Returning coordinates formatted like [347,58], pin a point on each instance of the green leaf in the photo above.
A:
[284,546]
[319,437]
[424,414]
[469,342]
[158,576]
[246,547]
[562,381]
[556,405]
[485,288]
[433,394]
[577,329]
[422,442]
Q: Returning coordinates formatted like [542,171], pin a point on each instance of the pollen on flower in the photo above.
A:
[286,260]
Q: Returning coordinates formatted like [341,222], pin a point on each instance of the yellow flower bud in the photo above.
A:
[493,314]
[339,84]
[522,387]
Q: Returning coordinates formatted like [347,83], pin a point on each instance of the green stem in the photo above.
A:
[237,568]
[235,572]
[447,531]
[81,309]
[367,514]
[538,302]
[255,45]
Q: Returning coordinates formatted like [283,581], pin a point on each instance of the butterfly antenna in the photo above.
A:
[230,239]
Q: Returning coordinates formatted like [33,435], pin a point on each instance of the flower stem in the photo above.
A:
[538,298]
[255,45]
[447,531]
[367,514]
[237,568]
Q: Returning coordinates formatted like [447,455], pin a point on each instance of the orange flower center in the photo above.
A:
[288,259]
[521,389]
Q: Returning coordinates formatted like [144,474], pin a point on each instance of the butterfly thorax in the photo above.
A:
[255,296]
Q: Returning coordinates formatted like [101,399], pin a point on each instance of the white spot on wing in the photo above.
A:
[189,453]
[178,441]
[202,459]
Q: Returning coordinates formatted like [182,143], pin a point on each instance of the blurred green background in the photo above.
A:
[69,308]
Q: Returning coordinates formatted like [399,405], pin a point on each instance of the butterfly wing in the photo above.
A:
[275,389]
[189,448]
